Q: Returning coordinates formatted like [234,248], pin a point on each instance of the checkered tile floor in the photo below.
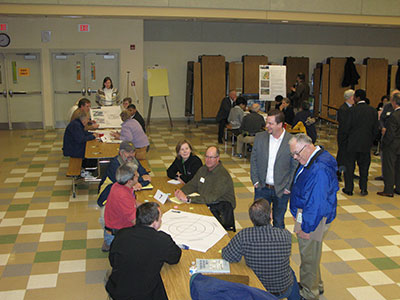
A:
[50,242]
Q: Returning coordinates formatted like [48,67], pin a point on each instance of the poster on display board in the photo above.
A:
[272,82]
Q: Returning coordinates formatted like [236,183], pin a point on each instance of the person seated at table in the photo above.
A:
[107,95]
[126,102]
[185,164]
[84,105]
[75,138]
[120,210]
[267,251]
[136,115]
[131,131]
[251,124]
[126,154]
[137,256]
[287,110]
[214,185]
[305,116]
[278,101]
[236,115]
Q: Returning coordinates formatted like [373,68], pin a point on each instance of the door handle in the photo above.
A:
[89,91]
[83,92]
[10,92]
[4,92]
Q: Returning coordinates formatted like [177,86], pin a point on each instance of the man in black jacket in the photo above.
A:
[342,117]
[391,150]
[137,255]
[300,92]
[360,131]
[223,113]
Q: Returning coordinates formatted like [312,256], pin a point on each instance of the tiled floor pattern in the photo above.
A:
[50,242]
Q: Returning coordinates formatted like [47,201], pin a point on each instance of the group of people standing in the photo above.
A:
[359,127]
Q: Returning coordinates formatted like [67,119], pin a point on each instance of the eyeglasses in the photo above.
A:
[211,157]
[297,153]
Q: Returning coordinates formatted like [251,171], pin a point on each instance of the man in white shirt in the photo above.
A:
[272,166]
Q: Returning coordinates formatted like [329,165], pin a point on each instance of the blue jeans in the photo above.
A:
[108,238]
[293,292]
[279,205]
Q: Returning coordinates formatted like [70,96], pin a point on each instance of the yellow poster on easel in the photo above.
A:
[157,82]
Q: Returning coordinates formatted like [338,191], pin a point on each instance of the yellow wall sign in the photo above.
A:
[23,72]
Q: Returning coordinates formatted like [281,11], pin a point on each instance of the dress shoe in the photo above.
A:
[356,176]
[397,192]
[379,178]
[384,194]
[321,291]
[364,192]
[347,193]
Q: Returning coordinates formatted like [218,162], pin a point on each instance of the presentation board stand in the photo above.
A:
[157,84]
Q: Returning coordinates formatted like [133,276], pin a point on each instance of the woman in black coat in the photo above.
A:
[185,164]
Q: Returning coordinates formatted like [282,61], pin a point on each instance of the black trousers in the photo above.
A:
[223,212]
[363,160]
[391,170]
[221,130]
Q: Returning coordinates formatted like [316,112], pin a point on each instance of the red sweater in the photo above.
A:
[120,208]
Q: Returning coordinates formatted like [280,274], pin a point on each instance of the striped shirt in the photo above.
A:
[266,250]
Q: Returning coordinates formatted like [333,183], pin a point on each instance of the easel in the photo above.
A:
[157,83]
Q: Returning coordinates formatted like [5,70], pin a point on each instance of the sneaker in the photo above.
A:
[87,174]
[105,247]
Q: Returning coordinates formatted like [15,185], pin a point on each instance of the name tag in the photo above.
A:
[299,217]
[202,179]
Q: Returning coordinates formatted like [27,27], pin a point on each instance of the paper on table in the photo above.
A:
[161,197]
[198,232]
[174,181]
[148,187]
[175,200]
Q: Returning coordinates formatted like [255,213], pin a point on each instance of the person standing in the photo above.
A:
[223,113]
[300,92]
[342,117]
[391,151]
[360,132]
[267,251]
[313,204]
[271,166]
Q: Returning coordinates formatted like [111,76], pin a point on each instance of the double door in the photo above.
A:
[80,74]
[21,104]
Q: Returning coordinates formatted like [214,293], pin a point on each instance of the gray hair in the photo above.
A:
[260,212]
[348,94]
[125,115]
[126,172]
[82,116]
[396,98]
[255,107]
[301,138]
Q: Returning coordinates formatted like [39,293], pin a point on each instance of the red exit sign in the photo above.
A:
[3,27]
[83,27]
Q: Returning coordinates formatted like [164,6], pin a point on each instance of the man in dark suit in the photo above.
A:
[360,132]
[136,115]
[391,150]
[300,92]
[272,167]
[223,113]
[137,255]
[343,115]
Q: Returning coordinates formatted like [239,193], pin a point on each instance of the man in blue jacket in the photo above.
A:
[313,204]
[75,137]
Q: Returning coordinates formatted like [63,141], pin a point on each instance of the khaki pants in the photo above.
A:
[241,140]
[310,274]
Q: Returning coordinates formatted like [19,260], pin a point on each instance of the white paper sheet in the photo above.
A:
[107,116]
[199,232]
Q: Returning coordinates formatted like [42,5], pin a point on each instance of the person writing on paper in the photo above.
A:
[131,131]
[267,251]
[137,256]
[120,211]
[185,164]
[215,188]
[107,95]
[313,205]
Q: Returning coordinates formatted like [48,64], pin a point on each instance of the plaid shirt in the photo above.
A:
[266,250]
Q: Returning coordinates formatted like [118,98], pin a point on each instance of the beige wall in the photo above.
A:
[110,34]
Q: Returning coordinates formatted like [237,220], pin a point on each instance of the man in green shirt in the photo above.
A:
[215,188]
